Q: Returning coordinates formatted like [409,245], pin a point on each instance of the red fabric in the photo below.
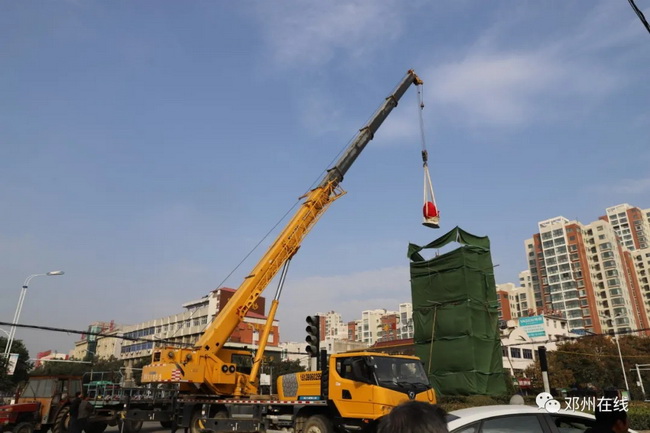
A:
[430,210]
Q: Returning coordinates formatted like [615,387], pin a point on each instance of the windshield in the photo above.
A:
[400,373]
[39,388]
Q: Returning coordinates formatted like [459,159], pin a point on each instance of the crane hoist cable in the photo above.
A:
[430,209]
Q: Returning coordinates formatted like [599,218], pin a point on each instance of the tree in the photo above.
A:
[285,367]
[8,384]
[60,367]
[592,362]
[558,376]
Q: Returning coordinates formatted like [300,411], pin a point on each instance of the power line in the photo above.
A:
[121,337]
[98,334]
[640,15]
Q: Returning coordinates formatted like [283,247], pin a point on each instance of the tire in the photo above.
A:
[96,427]
[129,426]
[24,427]
[317,424]
[62,421]
[195,422]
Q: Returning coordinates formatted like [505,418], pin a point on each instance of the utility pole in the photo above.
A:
[544,366]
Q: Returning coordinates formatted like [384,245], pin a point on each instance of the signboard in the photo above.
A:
[533,325]
[11,365]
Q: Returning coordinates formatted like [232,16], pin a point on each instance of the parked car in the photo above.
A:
[518,419]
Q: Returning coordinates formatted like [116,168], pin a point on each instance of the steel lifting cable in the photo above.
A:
[430,209]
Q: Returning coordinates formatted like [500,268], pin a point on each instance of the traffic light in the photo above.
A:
[313,335]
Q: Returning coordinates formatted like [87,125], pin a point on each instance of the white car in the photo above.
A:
[517,419]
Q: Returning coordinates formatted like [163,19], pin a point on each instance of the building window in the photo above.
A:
[527,353]
[515,352]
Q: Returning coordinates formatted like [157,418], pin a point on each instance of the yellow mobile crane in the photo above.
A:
[213,394]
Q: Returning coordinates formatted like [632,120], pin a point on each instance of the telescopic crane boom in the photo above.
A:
[207,365]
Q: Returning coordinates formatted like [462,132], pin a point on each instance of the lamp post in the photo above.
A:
[618,346]
[19,308]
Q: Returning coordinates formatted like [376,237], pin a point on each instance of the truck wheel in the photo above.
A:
[196,425]
[129,426]
[317,424]
[24,427]
[62,421]
[96,427]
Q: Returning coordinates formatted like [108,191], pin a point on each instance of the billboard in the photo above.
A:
[533,325]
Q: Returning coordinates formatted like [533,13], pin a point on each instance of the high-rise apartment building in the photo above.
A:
[406,320]
[332,326]
[631,224]
[586,274]
[371,325]
[515,301]
[641,262]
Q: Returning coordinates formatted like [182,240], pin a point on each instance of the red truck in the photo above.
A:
[44,403]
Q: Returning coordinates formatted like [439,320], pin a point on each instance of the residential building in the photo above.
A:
[406,329]
[631,224]
[641,263]
[371,324]
[389,327]
[582,272]
[332,326]
[515,301]
[354,330]
[503,298]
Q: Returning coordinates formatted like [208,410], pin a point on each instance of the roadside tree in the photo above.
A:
[9,383]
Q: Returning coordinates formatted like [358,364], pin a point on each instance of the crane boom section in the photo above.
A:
[284,247]
[368,131]
[288,242]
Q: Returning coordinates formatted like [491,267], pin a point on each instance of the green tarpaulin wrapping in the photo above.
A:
[455,316]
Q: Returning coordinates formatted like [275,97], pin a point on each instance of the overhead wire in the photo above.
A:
[108,335]
[96,334]
[640,15]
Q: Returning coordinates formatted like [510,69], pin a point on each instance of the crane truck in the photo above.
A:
[351,392]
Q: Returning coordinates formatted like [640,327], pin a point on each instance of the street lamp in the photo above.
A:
[618,346]
[19,308]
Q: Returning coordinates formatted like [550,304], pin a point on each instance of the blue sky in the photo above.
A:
[147,147]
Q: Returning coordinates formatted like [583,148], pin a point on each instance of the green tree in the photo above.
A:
[558,375]
[593,362]
[8,384]
[285,367]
